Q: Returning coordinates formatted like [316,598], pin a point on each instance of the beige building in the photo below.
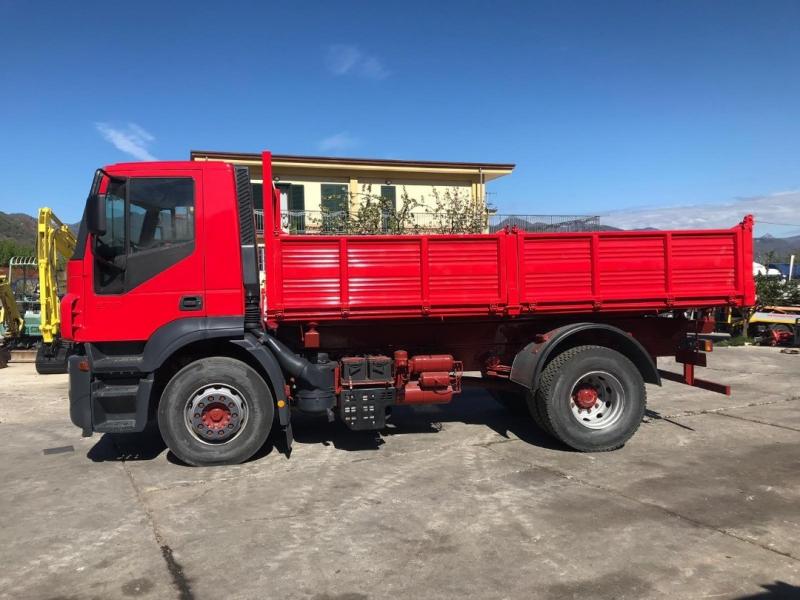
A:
[311,184]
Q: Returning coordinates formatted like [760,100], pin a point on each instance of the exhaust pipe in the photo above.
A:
[297,366]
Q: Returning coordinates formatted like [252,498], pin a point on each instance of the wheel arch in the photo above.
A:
[533,358]
[247,349]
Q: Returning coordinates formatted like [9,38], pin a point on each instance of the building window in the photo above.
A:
[334,197]
[293,206]
[389,194]
[334,206]
[258,195]
[389,205]
[297,198]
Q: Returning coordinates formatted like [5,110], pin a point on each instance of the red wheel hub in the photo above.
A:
[585,397]
[216,416]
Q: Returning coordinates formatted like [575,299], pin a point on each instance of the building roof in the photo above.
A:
[487,170]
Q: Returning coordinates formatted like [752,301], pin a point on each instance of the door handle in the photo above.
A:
[191,303]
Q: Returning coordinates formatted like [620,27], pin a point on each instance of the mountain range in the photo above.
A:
[19,228]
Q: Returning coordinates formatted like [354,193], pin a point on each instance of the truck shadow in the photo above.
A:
[779,590]
[148,445]
[472,407]
[127,446]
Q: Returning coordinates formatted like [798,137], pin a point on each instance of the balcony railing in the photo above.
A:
[309,222]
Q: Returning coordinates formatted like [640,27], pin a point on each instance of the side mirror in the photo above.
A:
[96,214]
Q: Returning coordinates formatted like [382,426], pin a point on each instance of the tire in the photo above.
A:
[535,410]
[5,357]
[604,378]
[194,396]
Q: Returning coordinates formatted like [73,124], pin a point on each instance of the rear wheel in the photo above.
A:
[591,398]
[215,411]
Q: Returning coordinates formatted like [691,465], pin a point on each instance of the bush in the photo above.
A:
[454,211]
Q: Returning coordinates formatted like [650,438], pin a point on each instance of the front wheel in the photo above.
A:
[215,411]
[591,398]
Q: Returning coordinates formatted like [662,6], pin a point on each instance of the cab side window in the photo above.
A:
[161,213]
[149,227]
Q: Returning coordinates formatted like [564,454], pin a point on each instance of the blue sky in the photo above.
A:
[625,109]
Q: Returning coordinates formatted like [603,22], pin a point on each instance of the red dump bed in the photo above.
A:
[317,278]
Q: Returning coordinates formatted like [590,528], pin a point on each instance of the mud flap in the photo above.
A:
[285,420]
[289,439]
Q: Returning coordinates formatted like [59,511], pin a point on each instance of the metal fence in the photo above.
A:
[544,223]
[309,222]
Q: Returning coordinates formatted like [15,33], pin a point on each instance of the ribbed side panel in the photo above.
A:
[464,271]
[310,272]
[556,268]
[627,263]
[386,273]
[410,276]
[244,195]
[247,238]
[703,264]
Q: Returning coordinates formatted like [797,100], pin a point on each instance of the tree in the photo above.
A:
[456,211]
[10,248]
[772,290]
[769,290]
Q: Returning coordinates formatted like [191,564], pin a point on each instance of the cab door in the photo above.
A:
[147,268]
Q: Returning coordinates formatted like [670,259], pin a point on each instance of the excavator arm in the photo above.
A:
[54,239]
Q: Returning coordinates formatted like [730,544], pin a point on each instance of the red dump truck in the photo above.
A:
[170,323]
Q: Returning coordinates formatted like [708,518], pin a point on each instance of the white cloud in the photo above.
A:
[337,142]
[346,59]
[132,139]
[781,208]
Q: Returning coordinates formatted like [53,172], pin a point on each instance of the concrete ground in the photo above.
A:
[465,500]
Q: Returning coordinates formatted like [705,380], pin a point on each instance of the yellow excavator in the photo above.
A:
[53,239]
[10,318]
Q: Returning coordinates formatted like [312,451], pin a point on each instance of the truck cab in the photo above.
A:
[163,269]
[170,249]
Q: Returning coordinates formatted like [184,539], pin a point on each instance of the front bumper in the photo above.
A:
[107,406]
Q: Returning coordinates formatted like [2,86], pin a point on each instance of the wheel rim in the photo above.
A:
[216,413]
[597,400]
